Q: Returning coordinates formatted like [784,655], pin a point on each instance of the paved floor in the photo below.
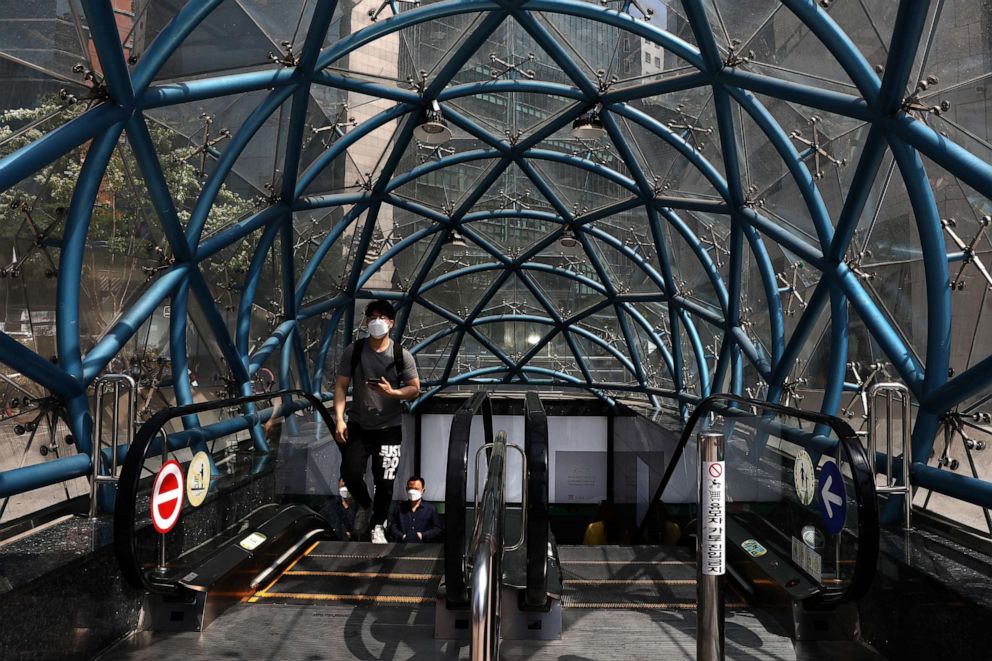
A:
[336,632]
[358,601]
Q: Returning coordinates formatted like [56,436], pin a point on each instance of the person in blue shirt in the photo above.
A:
[415,521]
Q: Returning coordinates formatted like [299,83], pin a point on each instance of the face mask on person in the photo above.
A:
[343,491]
[414,494]
[378,328]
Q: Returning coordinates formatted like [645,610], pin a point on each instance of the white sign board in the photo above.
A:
[713,512]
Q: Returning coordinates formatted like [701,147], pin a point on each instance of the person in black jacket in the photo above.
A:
[415,521]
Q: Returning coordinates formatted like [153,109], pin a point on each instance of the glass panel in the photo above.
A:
[198,54]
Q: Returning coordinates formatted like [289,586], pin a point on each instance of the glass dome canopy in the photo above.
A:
[786,199]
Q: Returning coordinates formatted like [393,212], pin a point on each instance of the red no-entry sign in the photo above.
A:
[167,496]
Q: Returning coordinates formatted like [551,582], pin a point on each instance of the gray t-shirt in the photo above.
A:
[369,408]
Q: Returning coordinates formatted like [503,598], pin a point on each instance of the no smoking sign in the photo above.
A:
[167,496]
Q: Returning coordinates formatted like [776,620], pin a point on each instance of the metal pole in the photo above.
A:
[97,438]
[162,568]
[711,547]
[907,457]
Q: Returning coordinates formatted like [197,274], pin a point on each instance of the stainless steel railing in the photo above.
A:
[891,392]
[486,552]
[117,384]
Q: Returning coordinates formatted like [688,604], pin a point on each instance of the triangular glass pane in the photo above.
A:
[32,222]
[629,274]
[514,338]
[770,186]
[361,164]
[731,20]
[124,251]
[460,295]
[225,273]
[422,325]
[787,49]
[246,45]
[332,276]
[829,145]
[514,298]
[432,359]
[50,39]
[569,296]
[614,54]
[965,214]
[946,53]
[673,174]
[510,53]
[445,189]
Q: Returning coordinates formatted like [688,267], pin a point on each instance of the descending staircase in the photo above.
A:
[632,577]
[359,573]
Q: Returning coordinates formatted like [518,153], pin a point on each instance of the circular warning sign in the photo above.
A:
[167,496]
[198,479]
[804,478]
[716,469]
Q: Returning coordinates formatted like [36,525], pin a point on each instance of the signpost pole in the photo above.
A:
[162,568]
[711,547]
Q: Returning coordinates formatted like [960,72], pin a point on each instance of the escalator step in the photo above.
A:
[392,576]
[310,598]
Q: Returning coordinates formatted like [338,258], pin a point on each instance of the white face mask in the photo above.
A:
[378,328]
[343,491]
[414,494]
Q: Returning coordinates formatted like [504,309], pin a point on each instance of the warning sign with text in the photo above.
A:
[713,512]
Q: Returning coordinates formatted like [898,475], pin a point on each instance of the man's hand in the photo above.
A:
[383,386]
[341,433]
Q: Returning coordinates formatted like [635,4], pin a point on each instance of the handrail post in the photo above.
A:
[711,547]
[99,389]
[888,390]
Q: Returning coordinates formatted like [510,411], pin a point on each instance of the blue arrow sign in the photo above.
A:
[831,498]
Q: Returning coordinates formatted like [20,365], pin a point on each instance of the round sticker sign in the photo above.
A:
[198,479]
[167,496]
[804,478]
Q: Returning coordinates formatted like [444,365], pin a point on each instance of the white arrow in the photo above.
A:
[829,497]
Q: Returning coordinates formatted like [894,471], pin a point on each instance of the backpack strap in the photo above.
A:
[398,360]
[356,355]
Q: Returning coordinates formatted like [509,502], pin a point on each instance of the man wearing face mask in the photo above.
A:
[415,521]
[383,375]
[343,513]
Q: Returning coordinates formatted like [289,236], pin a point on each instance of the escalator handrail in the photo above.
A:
[861,474]
[456,540]
[125,545]
[537,534]
[486,552]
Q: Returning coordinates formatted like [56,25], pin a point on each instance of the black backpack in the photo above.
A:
[356,357]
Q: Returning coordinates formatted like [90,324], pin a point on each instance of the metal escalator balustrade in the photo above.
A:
[195,584]
[486,553]
[802,510]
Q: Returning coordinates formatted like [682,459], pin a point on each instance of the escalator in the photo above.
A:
[500,586]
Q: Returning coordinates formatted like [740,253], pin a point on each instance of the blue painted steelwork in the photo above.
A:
[757,241]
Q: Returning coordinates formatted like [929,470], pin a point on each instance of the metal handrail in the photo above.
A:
[457,537]
[538,529]
[486,552]
[888,390]
[100,387]
[523,494]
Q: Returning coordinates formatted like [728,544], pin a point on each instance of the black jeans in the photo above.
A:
[384,444]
